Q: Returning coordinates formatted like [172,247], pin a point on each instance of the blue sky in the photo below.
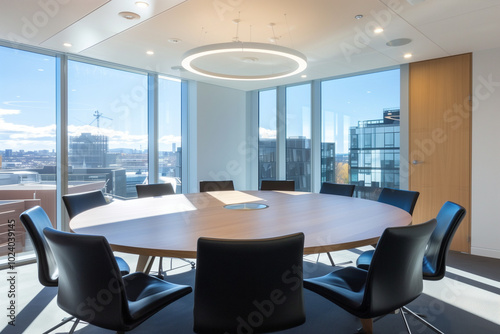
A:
[28,103]
[344,102]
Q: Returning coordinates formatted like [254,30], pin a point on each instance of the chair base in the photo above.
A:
[63,322]
[425,322]
[368,324]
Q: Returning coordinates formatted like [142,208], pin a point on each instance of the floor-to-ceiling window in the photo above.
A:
[360,126]
[28,143]
[107,128]
[107,132]
[298,136]
[169,132]
[267,135]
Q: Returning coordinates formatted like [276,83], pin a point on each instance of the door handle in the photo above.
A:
[416,162]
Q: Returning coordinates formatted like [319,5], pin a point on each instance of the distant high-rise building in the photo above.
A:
[328,162]
[298,162]
[8,153]
[374,150]
[267,159]
[88,151]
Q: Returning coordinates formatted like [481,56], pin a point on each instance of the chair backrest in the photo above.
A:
[216,185]
[90,285]
[285,185]
[34,221]
[395,275]
[448,219]
[337,189]
[403,199]
[151,190]
[77,203]
[251,285]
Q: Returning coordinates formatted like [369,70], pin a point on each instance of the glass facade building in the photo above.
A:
[374,154]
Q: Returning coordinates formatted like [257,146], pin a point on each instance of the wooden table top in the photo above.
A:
[170,226]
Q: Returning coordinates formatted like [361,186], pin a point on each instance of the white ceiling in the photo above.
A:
[325,31]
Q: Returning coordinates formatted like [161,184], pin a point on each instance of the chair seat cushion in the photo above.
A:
[364,260]
[148,293]
[345,287]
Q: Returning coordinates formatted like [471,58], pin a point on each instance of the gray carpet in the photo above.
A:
[322,316]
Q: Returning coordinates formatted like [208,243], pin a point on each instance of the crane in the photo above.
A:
[97,116]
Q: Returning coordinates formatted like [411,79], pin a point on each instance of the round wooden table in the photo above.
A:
[170,226]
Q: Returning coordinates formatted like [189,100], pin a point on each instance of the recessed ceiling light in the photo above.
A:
[142,4]
[358,17]
[408,55]
[129,15]
[398,42]
[68,45]
[378,30]
[303,76]
[150,52]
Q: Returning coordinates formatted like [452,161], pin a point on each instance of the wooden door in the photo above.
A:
[440,138]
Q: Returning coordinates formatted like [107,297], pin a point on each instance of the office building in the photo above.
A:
[374,154]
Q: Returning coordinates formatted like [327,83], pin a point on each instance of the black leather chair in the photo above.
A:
[393,280]
[403,199]
[285,185]
[80,202]
[216,186]
[337,189]
[249,286]
[152,190]
[34,221]
[434,263]
[92,290]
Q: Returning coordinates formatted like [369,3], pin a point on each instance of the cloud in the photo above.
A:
[20,131]
[4,112]
[29,138]
[267,133]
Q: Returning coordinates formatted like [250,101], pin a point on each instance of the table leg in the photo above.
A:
[144,263]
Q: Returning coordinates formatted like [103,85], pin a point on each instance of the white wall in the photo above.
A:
[222,135]
[485,219]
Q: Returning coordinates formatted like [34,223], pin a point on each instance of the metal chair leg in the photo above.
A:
[331,259]
[74,326]
[64,321]
[405,321]
[160,268]
[422,320]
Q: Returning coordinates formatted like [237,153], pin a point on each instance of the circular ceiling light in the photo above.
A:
[244,61]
